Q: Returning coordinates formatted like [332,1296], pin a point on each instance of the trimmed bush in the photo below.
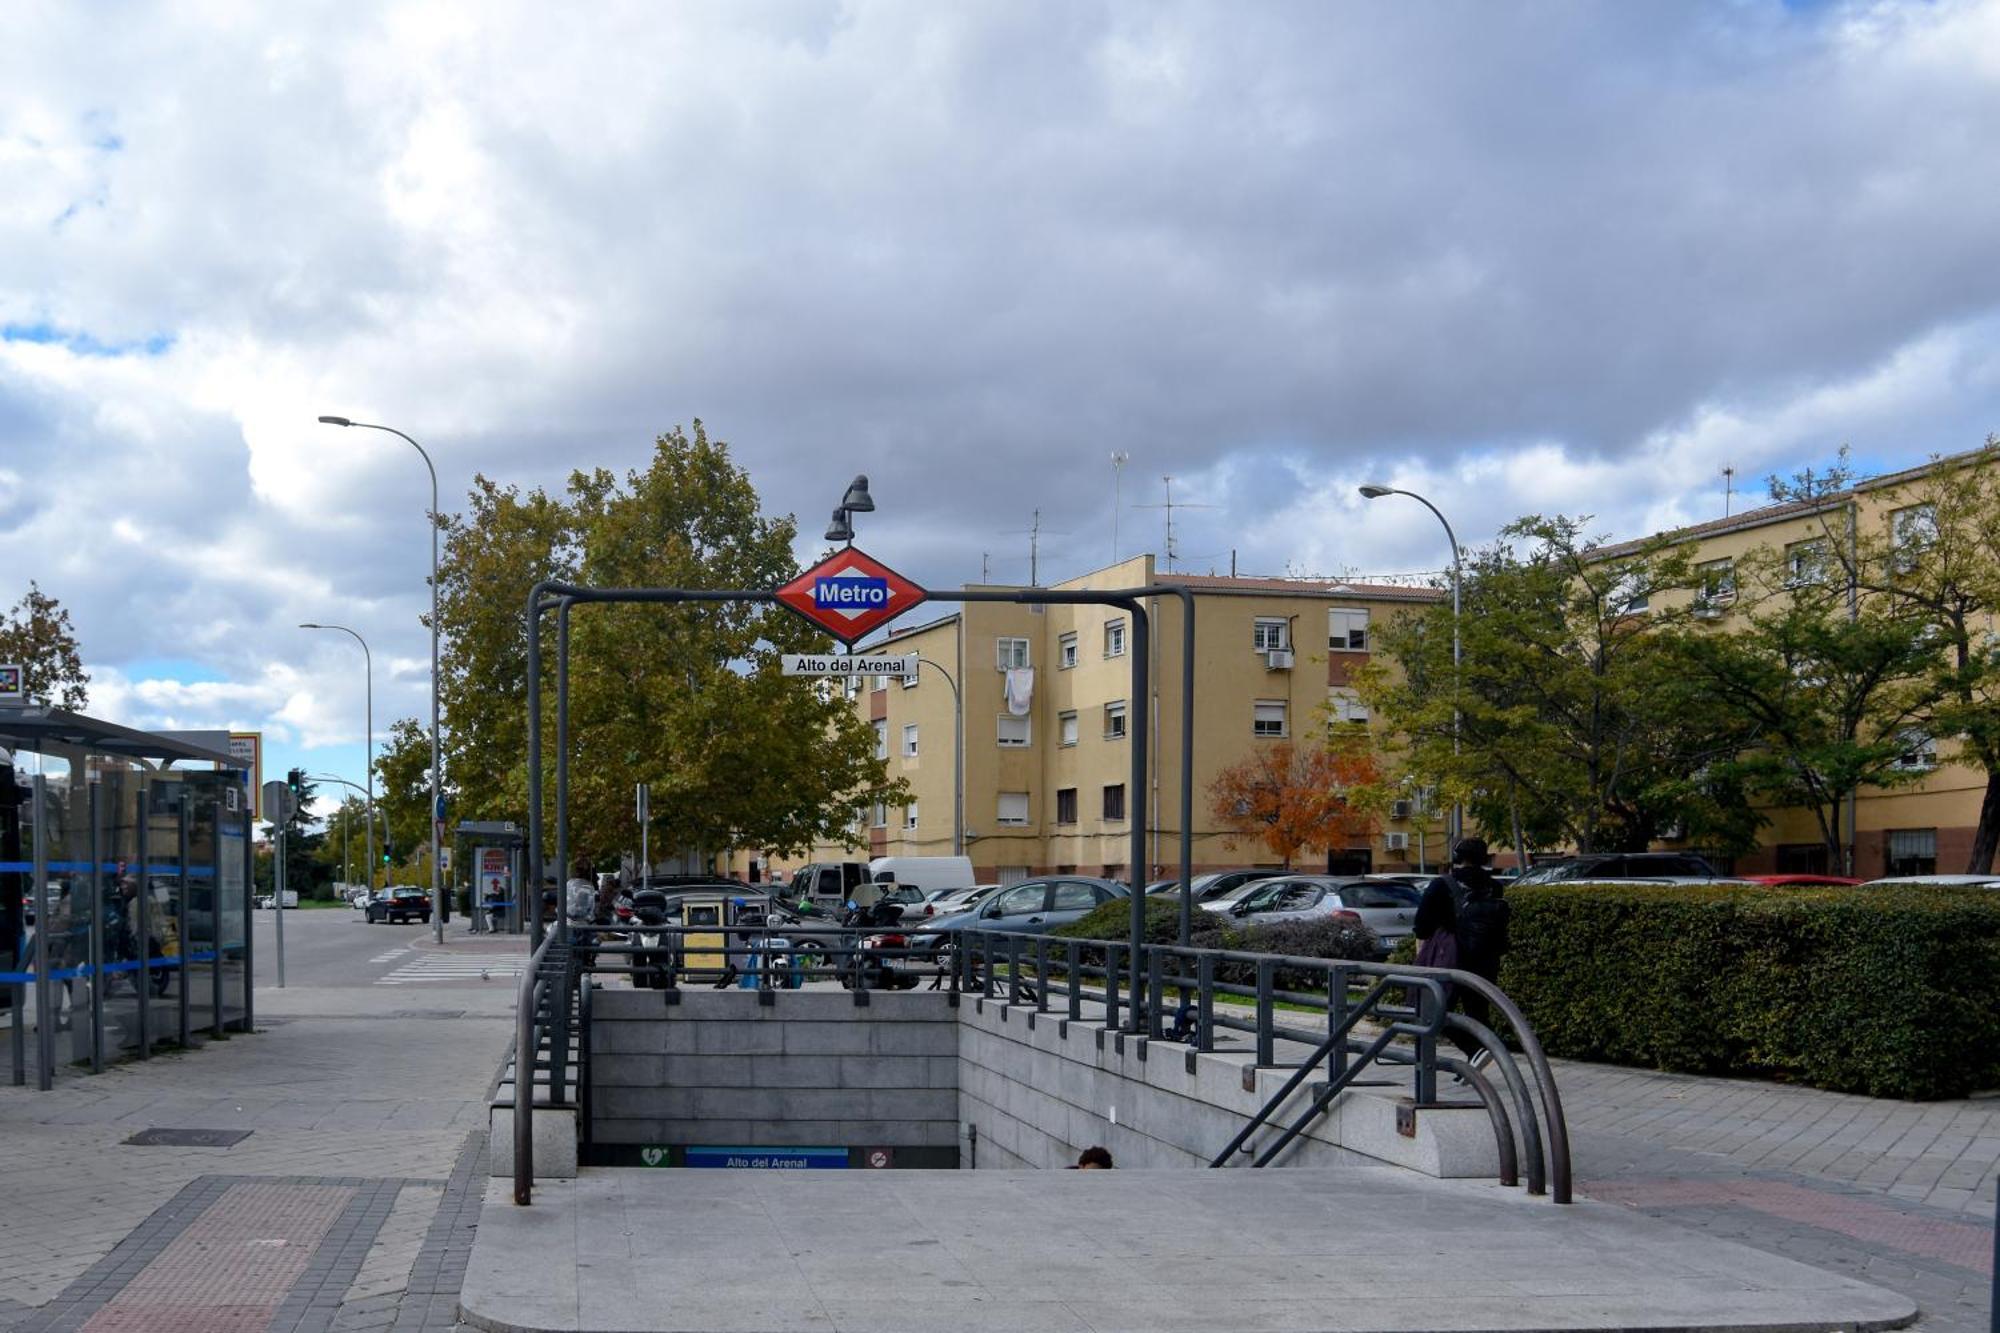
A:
[1891,992]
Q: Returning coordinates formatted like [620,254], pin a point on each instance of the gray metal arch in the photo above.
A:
[552,594]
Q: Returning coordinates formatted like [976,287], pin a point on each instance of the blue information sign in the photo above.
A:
[770,1159]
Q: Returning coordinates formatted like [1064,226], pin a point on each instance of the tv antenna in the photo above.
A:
[1728,489]
[1119,458]
[1170,505]
[1034,536]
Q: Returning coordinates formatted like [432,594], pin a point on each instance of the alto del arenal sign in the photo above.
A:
[849,593]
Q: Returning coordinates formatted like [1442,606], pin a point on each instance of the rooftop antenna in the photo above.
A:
[985,566]
[1173,548]
[1034,534]
[1728,489]
[1119,458]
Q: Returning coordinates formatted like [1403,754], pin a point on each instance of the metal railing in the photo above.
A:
[1352,1016]
[554,1003]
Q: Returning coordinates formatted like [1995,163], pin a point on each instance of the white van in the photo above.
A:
[928,873]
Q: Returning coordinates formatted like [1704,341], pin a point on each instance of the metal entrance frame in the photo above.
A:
[553,595]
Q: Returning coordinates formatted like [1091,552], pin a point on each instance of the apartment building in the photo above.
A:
[1049,788]
[1919,829]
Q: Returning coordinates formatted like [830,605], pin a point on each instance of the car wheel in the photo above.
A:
[425,918]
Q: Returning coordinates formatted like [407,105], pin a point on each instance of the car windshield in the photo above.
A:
[1379,895]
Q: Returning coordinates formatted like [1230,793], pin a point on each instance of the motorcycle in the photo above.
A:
[875,962]
[652,962]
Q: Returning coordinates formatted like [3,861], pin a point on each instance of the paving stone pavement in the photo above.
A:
[369,1104]
[1828,1179]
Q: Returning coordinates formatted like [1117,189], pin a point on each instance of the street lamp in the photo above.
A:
[388,849]
[437,785]
[856,501]
[1375,492]
[368,758]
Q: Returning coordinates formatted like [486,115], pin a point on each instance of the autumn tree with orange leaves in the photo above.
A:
[1292,796]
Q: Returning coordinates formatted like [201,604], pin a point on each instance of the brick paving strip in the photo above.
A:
[1861,1219]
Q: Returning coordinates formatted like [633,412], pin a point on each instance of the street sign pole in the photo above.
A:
[645,839]
[280,802]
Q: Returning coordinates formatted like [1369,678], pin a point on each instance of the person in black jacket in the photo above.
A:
[1467,901]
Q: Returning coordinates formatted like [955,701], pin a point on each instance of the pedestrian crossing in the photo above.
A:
[437,966]
[390,955]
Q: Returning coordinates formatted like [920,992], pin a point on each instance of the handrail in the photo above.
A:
[525,1046]
[1150,981]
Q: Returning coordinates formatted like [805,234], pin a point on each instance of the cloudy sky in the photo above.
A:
[1521,257]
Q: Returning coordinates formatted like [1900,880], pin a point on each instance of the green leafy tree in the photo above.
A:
[687,698]
[1936,563]
[402,795]
[1830,691]
[304,871]
[1571,714]
[343,849]
[38,635]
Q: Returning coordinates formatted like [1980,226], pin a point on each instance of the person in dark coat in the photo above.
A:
[1468,902]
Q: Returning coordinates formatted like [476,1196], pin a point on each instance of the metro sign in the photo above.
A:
[849,593]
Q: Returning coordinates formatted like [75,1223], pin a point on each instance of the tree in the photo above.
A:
[1571,714]
[303,870]
[402,793]
[1936,563]
[1288,797]
[687,698]
[38,635]
[343,849]
[1829,693]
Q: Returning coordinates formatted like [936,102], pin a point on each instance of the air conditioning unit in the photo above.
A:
[1396,842]
[1278,659]
[1400,810]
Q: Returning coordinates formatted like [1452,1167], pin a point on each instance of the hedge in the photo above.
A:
[1890,992]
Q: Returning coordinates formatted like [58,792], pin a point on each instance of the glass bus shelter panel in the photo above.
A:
[166,835]
[14,890]
[219,897]
[125,958]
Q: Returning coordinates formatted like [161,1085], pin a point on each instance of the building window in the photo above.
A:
[1066,651]
[1065,805]
[1114,721]
[1013,811]
[1114,802]
[1006,875]
[879,818]
[1115,871]
[1012,653]
[1347,629]
[1014,731]
[1715,586]
[1805,563]
[1919,752]
[878,683]
[1912,531]
[1268,718]
[850,687]
[909,681]
[881,739]
[1270,634]
[910,741]
[1114,638]
[1067,723]
[1913,851]
[1346,706]
[910,815]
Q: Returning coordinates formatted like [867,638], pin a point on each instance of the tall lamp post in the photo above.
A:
[388,848]
[437,785]
[1375,492]
[957,757]
[368,757]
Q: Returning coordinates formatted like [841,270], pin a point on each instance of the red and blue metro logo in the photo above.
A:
[849,593]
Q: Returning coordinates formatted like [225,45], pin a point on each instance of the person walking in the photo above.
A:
[1462,922]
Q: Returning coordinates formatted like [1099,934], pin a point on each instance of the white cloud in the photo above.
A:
[1579,264]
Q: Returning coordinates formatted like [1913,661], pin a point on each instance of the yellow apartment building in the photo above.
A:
[1919,829]
[1049,789]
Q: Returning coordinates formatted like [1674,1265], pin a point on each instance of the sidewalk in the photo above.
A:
[347,1205]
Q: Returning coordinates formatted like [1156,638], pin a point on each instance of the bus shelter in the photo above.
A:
[125,873]
[486,859]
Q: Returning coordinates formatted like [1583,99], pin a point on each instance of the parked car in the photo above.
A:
[1942,881]
[1415,879]
[1033,906]
[928,873]
[1621,865]
[1390,910]
[953,901]
[1801,881]
[1213,884]
[400,902]
[265,900]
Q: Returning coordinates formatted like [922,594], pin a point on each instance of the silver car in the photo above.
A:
[1390,910]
